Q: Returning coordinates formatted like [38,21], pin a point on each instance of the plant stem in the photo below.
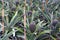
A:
[46,1]
[7,19]
[43,5]
[30,2]
[24,20]
[2,15]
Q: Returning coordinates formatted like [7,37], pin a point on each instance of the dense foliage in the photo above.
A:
[42,22]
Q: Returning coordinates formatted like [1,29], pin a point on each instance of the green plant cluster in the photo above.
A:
[40,24]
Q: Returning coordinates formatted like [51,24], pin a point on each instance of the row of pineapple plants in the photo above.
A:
[42,20]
